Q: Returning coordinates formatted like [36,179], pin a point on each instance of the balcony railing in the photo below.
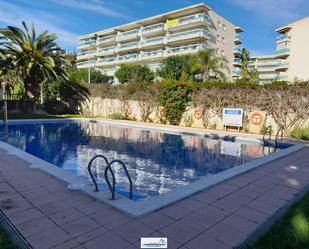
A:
[107,50]
[237,61]
[238,38]
[106,39]
[237,50]
[153,28]
[86,53]
[128,57]
[127,34]
[86,43]
[195,18]
[153,41]
[126,46]
[282,38]
[152,54]
[86,64]
[283,77]
[283,51]
[189,34]
[187,49]
[107,60]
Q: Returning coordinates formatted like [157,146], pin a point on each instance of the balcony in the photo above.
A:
[86,44]
[282,38]
[283,78]
[236,72]
[199,33]
[282,66]
[152,54]
[157,28]
[189,21]
[238,39]
[86,64]
[132,34]
[237,50]
[106,51]
[106,40]
[237,62]
[283,52]
[86,54]
[128,58]
[187,49]
[152,42]
[128,46]
[106,61]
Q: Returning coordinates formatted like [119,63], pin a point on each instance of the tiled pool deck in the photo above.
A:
[49,216]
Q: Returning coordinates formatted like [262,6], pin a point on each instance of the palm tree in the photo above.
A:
[209,65]
[36,58]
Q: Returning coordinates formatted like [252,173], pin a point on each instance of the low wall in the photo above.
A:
[99,107]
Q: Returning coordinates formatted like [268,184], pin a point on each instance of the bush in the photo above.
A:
[300,133]
[81,76]
[174,96]
[130,73]
[174,67]
[117,116]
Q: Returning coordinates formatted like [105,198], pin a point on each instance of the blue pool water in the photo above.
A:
[157,161]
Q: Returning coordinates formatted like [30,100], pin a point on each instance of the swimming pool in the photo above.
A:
[158,161]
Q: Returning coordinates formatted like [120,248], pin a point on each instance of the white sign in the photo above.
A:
[153,242]
[233,117]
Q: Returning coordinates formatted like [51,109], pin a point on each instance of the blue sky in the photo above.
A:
[70,18]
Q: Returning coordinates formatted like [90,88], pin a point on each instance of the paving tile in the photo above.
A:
[175,212]
[199,221]
[48,239]
[204,241]
[205,197]
[252,215]
[91,208]
[111,218]
[226,234]
[180,232]
[171,244]
[190,204]
[227,205]
[109,240]
[241,224]
[91,235]
[222,189]
[66,215]
[272,200]
[80,226]
[25,216]
[156,220]
[214,212]
[54,207]
[133,231]
[67,244]
[262,207]
[12,205]
[35,226]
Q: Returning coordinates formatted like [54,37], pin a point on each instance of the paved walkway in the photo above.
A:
[49,216]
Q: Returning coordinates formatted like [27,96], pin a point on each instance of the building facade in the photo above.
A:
[289,63]
[149,41]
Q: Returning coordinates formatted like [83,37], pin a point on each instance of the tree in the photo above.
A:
[205,62]
[35,58]
[247,73]
[174,67]
[132,73]
[81,76]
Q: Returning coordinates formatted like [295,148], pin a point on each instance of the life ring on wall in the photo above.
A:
[127,110]
[198,113]
[162,112]
[256,118]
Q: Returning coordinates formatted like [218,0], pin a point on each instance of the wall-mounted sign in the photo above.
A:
[173,22]
[233,117]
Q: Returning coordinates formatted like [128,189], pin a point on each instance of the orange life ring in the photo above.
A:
[128,110]
[256,118]
[198,113]
[162,112]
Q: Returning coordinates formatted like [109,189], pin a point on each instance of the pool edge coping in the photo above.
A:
[144,207]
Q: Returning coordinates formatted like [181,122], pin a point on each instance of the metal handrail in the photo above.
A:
[112,188]
[96,188]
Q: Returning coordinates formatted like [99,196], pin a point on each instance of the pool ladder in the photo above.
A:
[111,186]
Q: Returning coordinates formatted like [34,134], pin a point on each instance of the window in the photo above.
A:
[222,52]
[223,40]
[224,27]
[218,51]
[218,38]
[219,24]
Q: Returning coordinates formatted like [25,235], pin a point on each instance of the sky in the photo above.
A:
[71,18]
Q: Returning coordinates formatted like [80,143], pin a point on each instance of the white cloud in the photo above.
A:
[282,10]
[11,14]
[96,6]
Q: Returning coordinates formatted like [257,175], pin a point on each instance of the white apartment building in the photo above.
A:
[149,41]
[289,62]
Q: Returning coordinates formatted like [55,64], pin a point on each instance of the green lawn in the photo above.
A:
[5,241]
[291,231]
[42,116]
